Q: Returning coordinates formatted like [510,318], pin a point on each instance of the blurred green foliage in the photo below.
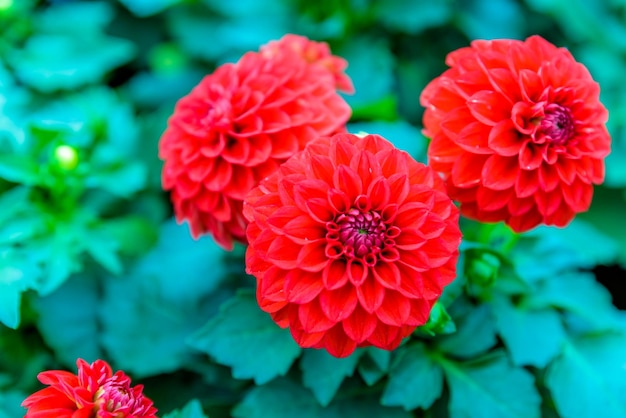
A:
[93,265]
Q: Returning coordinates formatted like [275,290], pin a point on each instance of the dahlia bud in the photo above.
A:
[483,268]
[439,322]
[66,157]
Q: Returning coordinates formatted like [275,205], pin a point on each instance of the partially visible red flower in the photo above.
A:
[518,132]
[239,124]
[313,52]
[96,392]
[351,242]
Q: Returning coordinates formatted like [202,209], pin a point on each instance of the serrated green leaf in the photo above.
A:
[589,375]
[323,373]
[532,337]
[246,339]
[475,332]
[415,380]
[193,409]
[68,320]
[163,299]
[490,387]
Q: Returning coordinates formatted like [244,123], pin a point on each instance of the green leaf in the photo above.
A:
[11,288]
[68,320]
[475,330]
[193,409]
[144,8]
[10,404]
[163,299]
[401,133]
[103,248]
[415,380]
[133,234]
[590,378]
[579,294]
[281,398]
[374,365]
[413,16]
[246,339]
[532,337]
[19,169]
[323,373]
[490,387]
[122,181]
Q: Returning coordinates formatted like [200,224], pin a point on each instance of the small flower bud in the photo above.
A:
[66,156]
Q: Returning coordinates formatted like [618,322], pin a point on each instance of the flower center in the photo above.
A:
[364,232]
[557,124]
[115,396]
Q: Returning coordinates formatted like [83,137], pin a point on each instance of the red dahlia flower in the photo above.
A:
[351,242]
[517,131]
[94,393]
[240,123]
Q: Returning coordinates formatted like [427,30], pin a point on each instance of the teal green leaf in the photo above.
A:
[490,387]
[68,320]
[77,17]
[11,288]
[579,294]
[590,378]
[246,339]
[148,312]
[10,404]
[532,337]
[104,249]
[134,235]
[475,330]
[323,373]
[281,398]
[413,16]
[415,380]
[193,409]
[122,181]
[401,133]
[372,74]
[19,169]
[144,8]
[374,365]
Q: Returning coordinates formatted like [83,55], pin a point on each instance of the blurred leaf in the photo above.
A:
[323,373]
[10,404]
[134,235]
[191,27]
[579,294]
[245,338]
[413,16]
[281,398]
[19,169]
[68,320]
[144,8]
[491,20]
[11,288]
[371,67]
[590,372]
[374,365]
[193,409]
[78,17]
[103,248]
[475,330]
[415,380]
[490,387]
[122,181]
[245,8]
[401,133]
[532,337]
[148,313]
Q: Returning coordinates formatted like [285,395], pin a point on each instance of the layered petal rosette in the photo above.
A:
[240,123]
[518,132]
[351,242]
[95,392]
